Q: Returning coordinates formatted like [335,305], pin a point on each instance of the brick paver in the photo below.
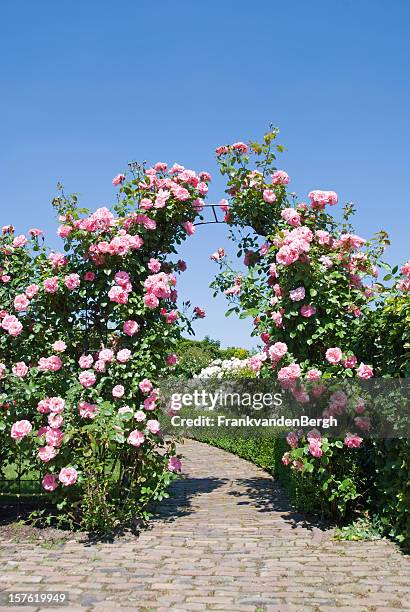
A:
[227,539]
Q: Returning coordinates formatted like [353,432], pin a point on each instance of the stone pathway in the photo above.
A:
[226,540]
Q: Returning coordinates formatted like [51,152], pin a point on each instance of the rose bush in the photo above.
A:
[309,286]
[84,335]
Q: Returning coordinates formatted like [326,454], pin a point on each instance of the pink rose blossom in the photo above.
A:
[291,216]
[54,436]
[154,265]
[51,284]
[334,355]
[315,448]
[174,464]
[292,439]
[297,294]
[20,429]
[145,385]
[56,404]
[20,241]
[353,440]
[139,416]
[64,230]
[87,379]
[280,178]
[199,312]
[67,476]
[106,355]
[350,361]
[31,291]
[171,359]
[313,374]
[153,426]
[47,453]
[118,391]
[189,228]
[151,301]
[118,294]
[130,327]
[20,369]
[307,310]
[123,355]
[136,438]
[88,411]
[269,196]
[89,276]
[59,346]
[118,179]
[49,482]
[85,361]
[21,302]
[55,420]
[364,371]
[277,350]
[72,281]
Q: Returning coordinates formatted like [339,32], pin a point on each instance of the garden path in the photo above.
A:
[227,539]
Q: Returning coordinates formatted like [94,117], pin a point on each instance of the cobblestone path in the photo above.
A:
[226,540]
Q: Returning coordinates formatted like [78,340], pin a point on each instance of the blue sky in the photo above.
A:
[87,86]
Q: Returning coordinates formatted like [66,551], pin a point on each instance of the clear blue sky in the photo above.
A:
[87,86]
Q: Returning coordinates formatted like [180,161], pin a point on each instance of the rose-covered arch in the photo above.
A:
[86,333]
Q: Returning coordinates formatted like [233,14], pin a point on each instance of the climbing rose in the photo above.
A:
[269,196]
[106,355]
[334,355]
[88,411]
[364,371]
[145,385]
[47,453]
[153,426]
[189,227]
[278,350]
[136,438]
[49,482]
[280,178]
[67,476]
[313,374]
[315,448]
[118,391]
[85,361]
[130,327]
[171,359]
[154,265]
[72,281]
[87,379]
[307,310]
[20,429]
[123,355]
[21,302]
[59,346]
[31,291]
[353,440]
[174,464]
[199,312]
[297,294]
[51,284]
[292,439]
[118,179]
[20,369]
[20,241]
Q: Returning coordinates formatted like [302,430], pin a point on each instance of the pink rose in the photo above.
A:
[122,278]
[31,291]
[85,361]
[21,302]
[280,178]
[100,365]
[20,369]
[277,350]
[313,374]
[118,294]
[54,436]
[49,482]
[87,379]
[20,241]
[139,416]
[154,265]
[72,281]
[55,420]
[269,196]
[88,411]
[89,276]
[20,429]
[130,327]
[171,359]
[136,438]
[307,310]
[350,361]
[51,284]
[47,453]
[151,301]
[123,355]
[118,391]
[297,294]
[189,228]
[199,312]
[292,439]
[334,355]
[55,404]
[364,371]
[145,385]
[315,448]
[106,355]
[59,346]
[118,179]
[153,426]
[67,476]
[174,464]
[353,440]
